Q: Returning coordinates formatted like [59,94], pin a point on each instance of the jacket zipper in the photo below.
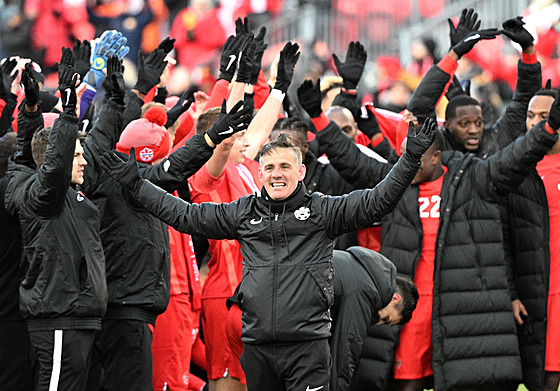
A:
[275,281]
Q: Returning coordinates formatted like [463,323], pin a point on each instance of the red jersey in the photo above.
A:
[225,266]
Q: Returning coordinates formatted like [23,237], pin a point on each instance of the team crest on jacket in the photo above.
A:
[146,154]
[80,196]
[302,213]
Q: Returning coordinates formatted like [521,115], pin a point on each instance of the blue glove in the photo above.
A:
[110,43]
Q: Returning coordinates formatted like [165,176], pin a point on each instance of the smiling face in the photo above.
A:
[240,145]
[280,172]
[467,126]
[78,164]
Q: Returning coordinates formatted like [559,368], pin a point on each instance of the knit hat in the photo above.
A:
[147,135]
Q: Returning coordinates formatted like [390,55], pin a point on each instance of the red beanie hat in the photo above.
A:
[147,135]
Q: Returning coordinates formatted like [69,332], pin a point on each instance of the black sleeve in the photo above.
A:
[423,101]
[504,171]
[103,137]
[512,122]
[180,165]
[386,151]
[133,108]
[27,125]
[354,166]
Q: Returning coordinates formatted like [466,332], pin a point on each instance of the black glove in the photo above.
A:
[367,122]
[116,79]
[309,96]
[260,47]
[67,78]
[554,114]
[456,89]
[514,30]
[548,85]
[30,85]
[419,139]
[66,58]
[167,45]
[182,105]
[288,58]
[229,123]
[468,22]
[81,53]
[351,70]
[466,44]
[7,78]
[245,63]
[150,70]
[350,101]
[242,27]
[229,57]
[126,173]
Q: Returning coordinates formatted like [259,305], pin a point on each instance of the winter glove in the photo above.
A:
[67,78]
[8,77]
[309,96]
[245,63]
[288,58]
[468,22]
[418,141]
[150,69]
[229,123]
[30,85]
[514,30]
[115,76]
[242,27]
[351,70]
[367,122]
[260,47]
[66,58]
[167,45]
[466,44]
[554,114]
[111,42]
[81,53]
[229,57]
[182,105]
[126,173]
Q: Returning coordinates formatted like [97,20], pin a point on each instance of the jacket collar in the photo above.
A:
[291,203]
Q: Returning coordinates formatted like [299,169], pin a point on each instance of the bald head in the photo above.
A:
[344,119]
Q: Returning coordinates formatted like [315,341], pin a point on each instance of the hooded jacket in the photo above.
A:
[286,291]
[364,283]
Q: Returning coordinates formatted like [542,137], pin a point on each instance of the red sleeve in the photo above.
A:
[219,93]
[2,105]
[186,124]
[203,182]
[262,91]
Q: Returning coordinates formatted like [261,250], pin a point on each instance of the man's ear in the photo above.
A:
[302,170]
[396,297]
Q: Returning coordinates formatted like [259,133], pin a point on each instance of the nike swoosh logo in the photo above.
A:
[313,389]
[231,60]
[230,130]
[476,36]
[67,91]
[253,221]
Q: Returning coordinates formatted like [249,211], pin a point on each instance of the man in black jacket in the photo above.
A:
[286,239]
[367,291]
[468,249]
[63,294]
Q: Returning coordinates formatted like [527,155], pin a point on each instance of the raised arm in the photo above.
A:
[216,221]
[261,126]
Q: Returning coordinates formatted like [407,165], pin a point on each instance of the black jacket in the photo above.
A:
[286,290]
[136,244]
[64,285]
[364,282]
[469,259]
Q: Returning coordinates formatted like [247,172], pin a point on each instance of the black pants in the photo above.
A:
[299,366]
[124,348]
[16,374]
[60,358]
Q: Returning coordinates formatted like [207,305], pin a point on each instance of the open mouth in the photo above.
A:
[278,185]
[472,141]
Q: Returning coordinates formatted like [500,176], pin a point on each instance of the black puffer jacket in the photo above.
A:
[286,290]
[64,285]
[136,244]
[471,294]
[364,282]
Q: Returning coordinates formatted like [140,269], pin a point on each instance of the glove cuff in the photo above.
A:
[548,128]
[320,122]
[276,93]
[529,58]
